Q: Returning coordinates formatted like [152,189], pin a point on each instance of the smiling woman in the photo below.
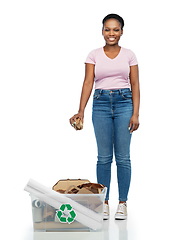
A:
[114,70]
[112,31]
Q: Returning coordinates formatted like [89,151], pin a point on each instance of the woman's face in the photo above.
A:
[112,31]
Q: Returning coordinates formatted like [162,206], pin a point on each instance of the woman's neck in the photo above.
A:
[110,48]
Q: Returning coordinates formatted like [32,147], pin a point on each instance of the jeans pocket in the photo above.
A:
[127,95]
[96,96]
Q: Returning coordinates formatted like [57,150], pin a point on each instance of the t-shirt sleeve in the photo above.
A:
[91,58]
[132,59]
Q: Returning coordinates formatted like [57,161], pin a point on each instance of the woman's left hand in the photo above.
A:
[134,123]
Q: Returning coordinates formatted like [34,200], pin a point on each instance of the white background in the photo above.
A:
[43,46]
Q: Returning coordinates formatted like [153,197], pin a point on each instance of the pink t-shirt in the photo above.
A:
[112,73]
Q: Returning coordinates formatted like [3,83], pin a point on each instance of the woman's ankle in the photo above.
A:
[106,202]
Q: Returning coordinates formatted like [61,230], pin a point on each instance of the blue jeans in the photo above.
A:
[112,111]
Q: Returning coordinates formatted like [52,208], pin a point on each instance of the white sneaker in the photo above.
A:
[121,212]
[106,211]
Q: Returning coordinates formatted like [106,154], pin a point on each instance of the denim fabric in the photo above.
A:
[112,111]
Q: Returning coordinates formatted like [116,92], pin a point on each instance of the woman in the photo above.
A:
[115,107]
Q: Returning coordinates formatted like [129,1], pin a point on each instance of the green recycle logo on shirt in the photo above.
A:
[66,214]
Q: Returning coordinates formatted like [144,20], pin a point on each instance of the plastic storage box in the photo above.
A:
[49,219]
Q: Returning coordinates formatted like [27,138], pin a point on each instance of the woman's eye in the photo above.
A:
[116,30]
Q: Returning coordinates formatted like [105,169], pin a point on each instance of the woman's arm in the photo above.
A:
[134,81]
[86,91]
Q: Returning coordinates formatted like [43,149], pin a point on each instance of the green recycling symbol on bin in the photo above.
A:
[66,214]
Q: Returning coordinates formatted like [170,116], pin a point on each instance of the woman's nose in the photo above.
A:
[111,33]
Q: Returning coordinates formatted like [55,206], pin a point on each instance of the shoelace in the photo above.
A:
[121,208]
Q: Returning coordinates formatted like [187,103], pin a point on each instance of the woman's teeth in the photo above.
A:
[111,39]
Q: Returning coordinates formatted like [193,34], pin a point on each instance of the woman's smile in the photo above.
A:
[111,39]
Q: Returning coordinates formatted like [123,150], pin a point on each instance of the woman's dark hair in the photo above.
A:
[115,16]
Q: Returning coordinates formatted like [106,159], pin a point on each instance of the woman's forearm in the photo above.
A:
[136,98]
[85,94]
[87,87]
[134,80]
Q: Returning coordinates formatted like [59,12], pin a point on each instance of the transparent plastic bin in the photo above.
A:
[46,218]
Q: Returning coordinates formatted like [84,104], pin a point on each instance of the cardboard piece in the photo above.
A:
[78,124]
[95,188]
[76,190]
[48,213]
[62,185]
[80,186]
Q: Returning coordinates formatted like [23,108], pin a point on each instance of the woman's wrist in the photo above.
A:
[136,114]
[81,111]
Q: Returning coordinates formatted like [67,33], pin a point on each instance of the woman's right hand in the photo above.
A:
[73,119]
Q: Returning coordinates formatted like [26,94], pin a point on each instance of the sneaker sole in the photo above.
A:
[120,217]
[106,217]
